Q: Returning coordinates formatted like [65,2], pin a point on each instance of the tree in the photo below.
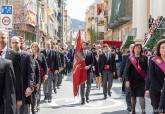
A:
[93,36]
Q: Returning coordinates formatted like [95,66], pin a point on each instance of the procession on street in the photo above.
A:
[82,57]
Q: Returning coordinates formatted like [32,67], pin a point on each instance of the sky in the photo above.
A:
[77,8]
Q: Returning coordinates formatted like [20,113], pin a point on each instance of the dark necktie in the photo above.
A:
[1,53]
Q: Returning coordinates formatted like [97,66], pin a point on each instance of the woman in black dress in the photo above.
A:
[135,73]
[156,77]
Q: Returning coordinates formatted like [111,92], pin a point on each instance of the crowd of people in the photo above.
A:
[141,70]
[23,71]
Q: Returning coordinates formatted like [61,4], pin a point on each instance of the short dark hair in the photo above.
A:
[136,45]
[162,41]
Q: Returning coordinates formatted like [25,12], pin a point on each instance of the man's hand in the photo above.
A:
[28,92]
[87,67]
[147,93]
[46,77]
[56,71]
[37,87]
[61,69]
[127,84]
[114,73]
[18,103]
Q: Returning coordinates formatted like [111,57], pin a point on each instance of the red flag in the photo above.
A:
[79,71]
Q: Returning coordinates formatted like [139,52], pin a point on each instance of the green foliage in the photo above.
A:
[128,42]
[93,36]
[154,38]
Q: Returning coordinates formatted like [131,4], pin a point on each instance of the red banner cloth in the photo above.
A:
[79,71]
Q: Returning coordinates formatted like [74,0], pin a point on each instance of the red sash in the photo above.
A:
[106,67]
[158,61]
[137,67]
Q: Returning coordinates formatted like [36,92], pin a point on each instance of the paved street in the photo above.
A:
[64,102]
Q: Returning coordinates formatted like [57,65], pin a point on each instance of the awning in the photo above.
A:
[115,44]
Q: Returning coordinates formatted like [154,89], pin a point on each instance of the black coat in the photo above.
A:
[52,59]
[162,99]
[28,73]
[16,58]
[123,64]
[62,59]
[131,73]
[89,60]
[104,61]
[37,78]
[42,63]
[155,78]
[7,88]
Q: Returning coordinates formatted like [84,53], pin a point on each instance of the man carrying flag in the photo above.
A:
[81,69]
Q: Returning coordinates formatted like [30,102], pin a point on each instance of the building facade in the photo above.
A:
[37,20]
[67,28]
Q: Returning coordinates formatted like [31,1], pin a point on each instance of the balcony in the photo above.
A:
[119,21]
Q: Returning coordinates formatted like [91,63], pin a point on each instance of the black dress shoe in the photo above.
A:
[83,101]
[49,100]
[87,100]
[105,97]
[55,91]
[109,93]
[129,109]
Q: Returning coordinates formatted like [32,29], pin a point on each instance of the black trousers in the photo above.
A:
[155,99]
[82,88]
[60,77]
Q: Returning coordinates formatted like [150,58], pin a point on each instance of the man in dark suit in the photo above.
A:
[107,68]
[15,58]
[89,62]
[27,71]
[53,69]
[61,67]
[7,90]
[121,77]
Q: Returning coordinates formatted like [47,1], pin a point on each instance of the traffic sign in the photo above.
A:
[6,18]
[12,33]
[7,9]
